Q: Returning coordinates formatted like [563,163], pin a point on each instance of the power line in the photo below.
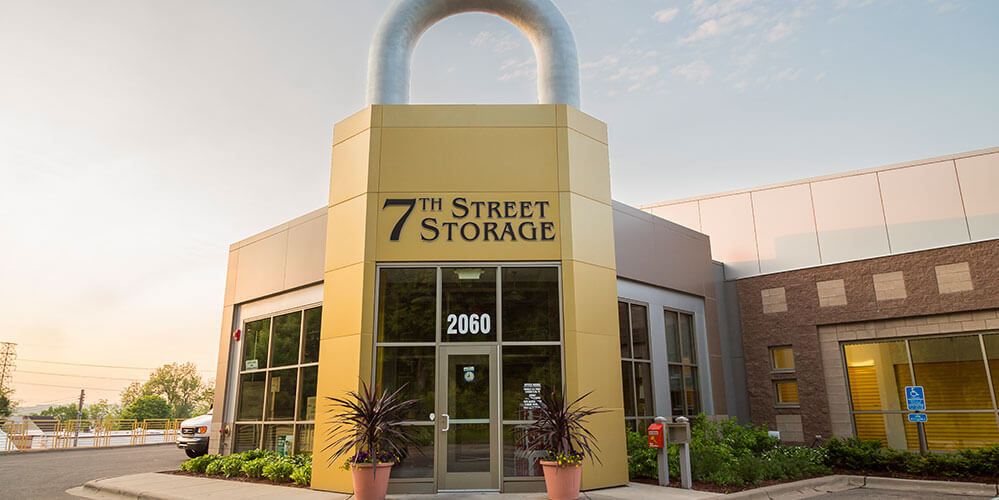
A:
[79,376]
[96,366]
[70,386]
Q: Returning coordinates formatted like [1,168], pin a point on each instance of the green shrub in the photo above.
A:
[860,455]
[255,454]
[231,465]
[302,459]
[302,475]
[255,468]
[214,468]
[199,464]
[279,470]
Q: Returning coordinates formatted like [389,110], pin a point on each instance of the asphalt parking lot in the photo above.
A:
[48,474]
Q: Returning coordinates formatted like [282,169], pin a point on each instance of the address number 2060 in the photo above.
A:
[468,323]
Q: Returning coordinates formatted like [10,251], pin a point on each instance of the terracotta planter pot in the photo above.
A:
[368,485]
[562,482]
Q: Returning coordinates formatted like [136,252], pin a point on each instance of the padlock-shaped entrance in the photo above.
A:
[470,256]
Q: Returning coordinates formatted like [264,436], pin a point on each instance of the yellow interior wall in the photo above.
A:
[550,153]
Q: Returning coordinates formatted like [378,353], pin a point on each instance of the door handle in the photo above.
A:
[447,422]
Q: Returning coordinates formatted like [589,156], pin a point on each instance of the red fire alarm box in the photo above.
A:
[656,437]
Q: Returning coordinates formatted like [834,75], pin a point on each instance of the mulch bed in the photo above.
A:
[714,488]
[241,479]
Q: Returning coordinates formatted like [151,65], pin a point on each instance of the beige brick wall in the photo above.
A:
[889,286]
[774,300]
[954,278]
[790,428]
[831,293]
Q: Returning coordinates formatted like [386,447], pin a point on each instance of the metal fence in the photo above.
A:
[30,434]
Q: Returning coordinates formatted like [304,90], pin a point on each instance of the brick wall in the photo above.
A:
[788,308]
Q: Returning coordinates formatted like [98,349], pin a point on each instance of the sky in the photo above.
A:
[138,139]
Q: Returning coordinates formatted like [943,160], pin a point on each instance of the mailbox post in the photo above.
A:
[657,439]
[678,432]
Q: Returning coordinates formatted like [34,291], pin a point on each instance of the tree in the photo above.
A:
[64,412]
[147,407]
[6,406]
[103,409]
[180,385]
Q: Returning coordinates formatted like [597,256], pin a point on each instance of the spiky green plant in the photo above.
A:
[562,429]
[367,422]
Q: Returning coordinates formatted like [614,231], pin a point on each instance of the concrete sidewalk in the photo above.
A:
[157,486]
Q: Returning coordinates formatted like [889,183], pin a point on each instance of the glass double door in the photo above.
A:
[467,423]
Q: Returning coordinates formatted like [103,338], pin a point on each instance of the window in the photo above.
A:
[787,392]
[636,365]
[276,400]
[785,388]
[955,373]
[782,359]
[681,358]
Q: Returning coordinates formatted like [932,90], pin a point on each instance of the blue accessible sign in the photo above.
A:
[917,417]
[915,399]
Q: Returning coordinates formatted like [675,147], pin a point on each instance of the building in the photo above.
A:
[853,286]
[473,255]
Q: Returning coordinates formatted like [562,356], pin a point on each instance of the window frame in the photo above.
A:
[635,417]
[695,364]
[263,423]
[782,404]
[499,343]
[773,359]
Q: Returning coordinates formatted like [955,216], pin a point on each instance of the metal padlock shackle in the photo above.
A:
[544,25]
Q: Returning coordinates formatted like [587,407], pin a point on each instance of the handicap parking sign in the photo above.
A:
[917,417]
[915,399]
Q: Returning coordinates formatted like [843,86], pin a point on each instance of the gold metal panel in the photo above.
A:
[348,294]
[306,253]
[468,160]
[592,237]
[588,168]
[339,372]
[471,115]
[355,166]
[362,120]
[348,233]
[589,300]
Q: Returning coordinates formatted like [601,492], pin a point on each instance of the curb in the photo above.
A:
[925,486]
[80,448]
[801,489]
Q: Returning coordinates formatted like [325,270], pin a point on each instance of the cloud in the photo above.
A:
[498,43]
[516,69]
[698,71]
[820,76]
[722,25]
[665,15]
[780,30]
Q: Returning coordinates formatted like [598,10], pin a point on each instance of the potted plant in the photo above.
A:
[562,428]
[366,423]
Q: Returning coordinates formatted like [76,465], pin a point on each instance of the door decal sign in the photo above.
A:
[469,374]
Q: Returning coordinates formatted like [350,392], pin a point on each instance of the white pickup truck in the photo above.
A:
[194,435]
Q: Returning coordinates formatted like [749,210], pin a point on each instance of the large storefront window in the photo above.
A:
[276,399]
[440,330]
[957,374]
[636,365]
